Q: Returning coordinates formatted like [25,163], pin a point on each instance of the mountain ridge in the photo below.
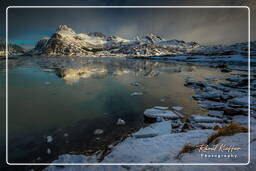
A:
[66,42]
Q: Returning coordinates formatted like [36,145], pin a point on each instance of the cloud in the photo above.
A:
[207,26]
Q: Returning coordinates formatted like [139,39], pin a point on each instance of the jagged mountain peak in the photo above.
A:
[65,28]
[97,34]
[152,38]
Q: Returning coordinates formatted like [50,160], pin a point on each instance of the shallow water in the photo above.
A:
[53,96]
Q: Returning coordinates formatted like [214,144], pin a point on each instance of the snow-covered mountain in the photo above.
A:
[66,42]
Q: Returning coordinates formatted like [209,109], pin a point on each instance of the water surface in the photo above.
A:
[75,96]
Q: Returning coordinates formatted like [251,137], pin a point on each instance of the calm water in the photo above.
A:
[57,96]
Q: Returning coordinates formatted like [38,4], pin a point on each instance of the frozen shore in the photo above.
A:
[167,140]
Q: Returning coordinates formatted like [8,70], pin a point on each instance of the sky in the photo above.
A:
[205,26]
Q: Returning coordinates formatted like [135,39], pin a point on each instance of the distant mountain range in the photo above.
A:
[66,42]
[13,49]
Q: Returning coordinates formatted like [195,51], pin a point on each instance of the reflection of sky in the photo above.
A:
[35,107]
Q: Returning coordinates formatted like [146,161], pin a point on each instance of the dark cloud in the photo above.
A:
[208,26]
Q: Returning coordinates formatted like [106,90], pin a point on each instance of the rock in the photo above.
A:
[136,94]
[49,139]
[154,113]
[206,119]
[98,132]
[161,107]
[176,124]
[178,108]
[180,115]
[120,122]
[155,129]
[66,135]
[216,113]
[49,151]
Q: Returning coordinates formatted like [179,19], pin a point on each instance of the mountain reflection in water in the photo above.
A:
[52,96]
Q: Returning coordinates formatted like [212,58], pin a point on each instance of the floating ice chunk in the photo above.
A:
[206,119]
[240,100]
[184,75]
[49,139]
[120,122]
[49,151]
[154,113]
[178,108]
[136,94]
[135,84]
[216,113]
[161,107]
[47,83]
[207,125]
[162,100]
[159,128]
[98,132]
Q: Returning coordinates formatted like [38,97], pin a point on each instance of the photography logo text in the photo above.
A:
[218,151]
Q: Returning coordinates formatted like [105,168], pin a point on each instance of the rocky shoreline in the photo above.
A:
[173,138]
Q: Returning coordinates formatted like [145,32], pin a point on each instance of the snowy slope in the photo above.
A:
[66,42]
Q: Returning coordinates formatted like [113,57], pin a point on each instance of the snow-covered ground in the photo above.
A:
[164,141]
